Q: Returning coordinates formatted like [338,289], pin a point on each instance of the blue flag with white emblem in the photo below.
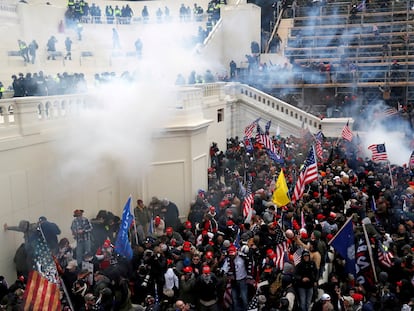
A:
[122,244]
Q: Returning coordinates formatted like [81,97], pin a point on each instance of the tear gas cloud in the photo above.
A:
[124,116]
[395,132]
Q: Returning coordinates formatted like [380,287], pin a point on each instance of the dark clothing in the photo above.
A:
[306,269]
[171,216]
[50,231]
[206,287]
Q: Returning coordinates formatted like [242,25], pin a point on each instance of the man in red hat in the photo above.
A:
[170,235]
[159,226]
[206,287]
[187,232]
[187,285]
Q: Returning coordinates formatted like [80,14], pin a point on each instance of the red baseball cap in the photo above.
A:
[186,246]
[206,270]
[232,250]
[157,220]
[169,230]
[188,269]
[188,224]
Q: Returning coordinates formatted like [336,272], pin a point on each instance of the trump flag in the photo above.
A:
[122,244]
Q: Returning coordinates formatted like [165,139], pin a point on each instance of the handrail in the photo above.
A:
[274,31]
[278,108]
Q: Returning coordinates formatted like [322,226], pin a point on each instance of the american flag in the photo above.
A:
[389,112]
[281,248]
[248,131]
[42,291]
[267,142]
[227,299]
[386,113]
[319,149]
[308,173]
[347,133]
[384,257]
[378,152]
[297,256]
[280,251]
[248,199]
[254,304]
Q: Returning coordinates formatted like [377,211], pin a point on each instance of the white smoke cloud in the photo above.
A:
[124,117]
[395,132]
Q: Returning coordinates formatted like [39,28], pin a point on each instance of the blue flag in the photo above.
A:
[344,244]
[122,244]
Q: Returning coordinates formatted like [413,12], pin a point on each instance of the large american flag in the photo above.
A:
[308,173]
[379,153]
[248,131]
[42,292]
[248,199]
[347,133]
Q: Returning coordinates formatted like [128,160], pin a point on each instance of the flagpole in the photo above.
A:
[135,223]
[370,252]
[340,230]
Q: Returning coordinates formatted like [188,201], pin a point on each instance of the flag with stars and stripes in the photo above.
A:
[267,142]
[42,292]
[308,174]
[378,152]
[318,145]
[254,304]
[248,199]
[248,131]
[297,256]
[347,133]
[227,299]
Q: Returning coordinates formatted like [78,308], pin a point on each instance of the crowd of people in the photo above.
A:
[277,257]
[39,84]
[80,11]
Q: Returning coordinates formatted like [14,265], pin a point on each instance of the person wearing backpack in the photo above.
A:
[289,293]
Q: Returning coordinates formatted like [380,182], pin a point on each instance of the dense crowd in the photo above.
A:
[39,84]
[219,258]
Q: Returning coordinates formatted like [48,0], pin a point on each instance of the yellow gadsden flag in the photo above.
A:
[280,194]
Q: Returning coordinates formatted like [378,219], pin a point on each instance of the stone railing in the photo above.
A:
[280,109]
[21,116]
